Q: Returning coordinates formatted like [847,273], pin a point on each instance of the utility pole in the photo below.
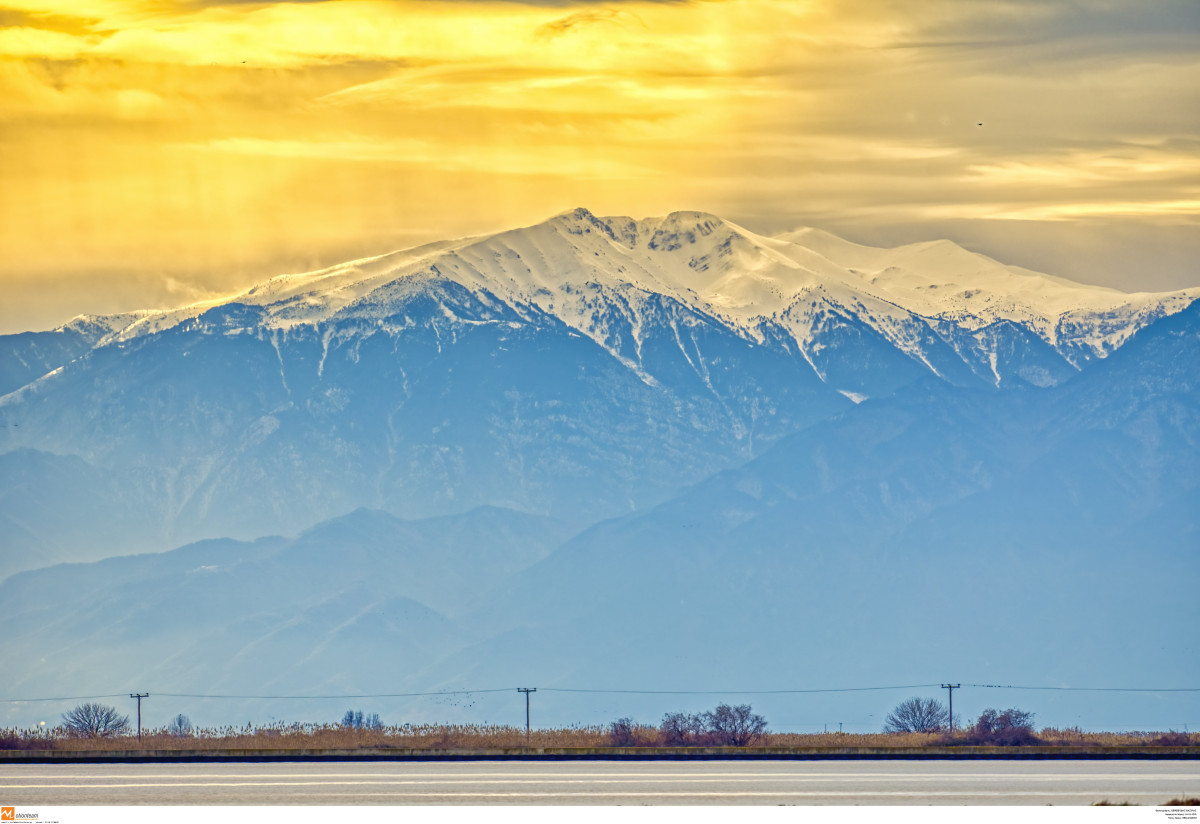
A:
[139,696]
[950,688]
[526,690]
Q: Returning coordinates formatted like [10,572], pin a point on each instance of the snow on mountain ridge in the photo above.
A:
[940,279]
[582,268]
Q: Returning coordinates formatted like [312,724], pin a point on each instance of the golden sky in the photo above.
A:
[153,153]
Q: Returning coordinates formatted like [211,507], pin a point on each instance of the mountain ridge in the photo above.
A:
[581,368]
[761,285]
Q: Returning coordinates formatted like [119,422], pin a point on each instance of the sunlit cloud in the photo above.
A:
[1076,211]
[212,142]
[42,43]
[1088,168]
[530,159]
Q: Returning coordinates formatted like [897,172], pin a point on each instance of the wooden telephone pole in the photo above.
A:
[950,688]
[526,690]
[139,696]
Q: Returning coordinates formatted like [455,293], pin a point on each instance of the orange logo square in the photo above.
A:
[8,813]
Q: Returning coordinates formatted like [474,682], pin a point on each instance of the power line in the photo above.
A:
[354,696]
[262,697]
[1086,689]
[737,692]
[323,697]
[67,698]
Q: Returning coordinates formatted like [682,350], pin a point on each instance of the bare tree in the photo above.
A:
[724,726]
[180,726]
[733,726]
[355,720]
[918,715]
[680,729]
[95,721]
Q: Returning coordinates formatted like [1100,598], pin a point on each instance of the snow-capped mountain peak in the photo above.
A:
[602,275]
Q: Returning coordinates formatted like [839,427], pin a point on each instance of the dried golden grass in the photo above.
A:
[1072,737]
[465,736]
[320,736]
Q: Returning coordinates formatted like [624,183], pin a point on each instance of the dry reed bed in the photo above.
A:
[447,737]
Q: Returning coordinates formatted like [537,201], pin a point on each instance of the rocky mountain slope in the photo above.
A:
[1040,537]
[581,368]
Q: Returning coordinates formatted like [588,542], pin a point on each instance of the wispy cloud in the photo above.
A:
[564,25]
[532,159]
[149,132]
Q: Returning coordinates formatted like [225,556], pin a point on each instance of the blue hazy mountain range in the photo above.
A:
[600,453]
[582,368]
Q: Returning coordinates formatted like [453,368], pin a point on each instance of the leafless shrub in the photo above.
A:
[625,732]
[180,726]
[724,726]
[620,733]
[679,729]
[1171,739]
[738,726]
[1010,728]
